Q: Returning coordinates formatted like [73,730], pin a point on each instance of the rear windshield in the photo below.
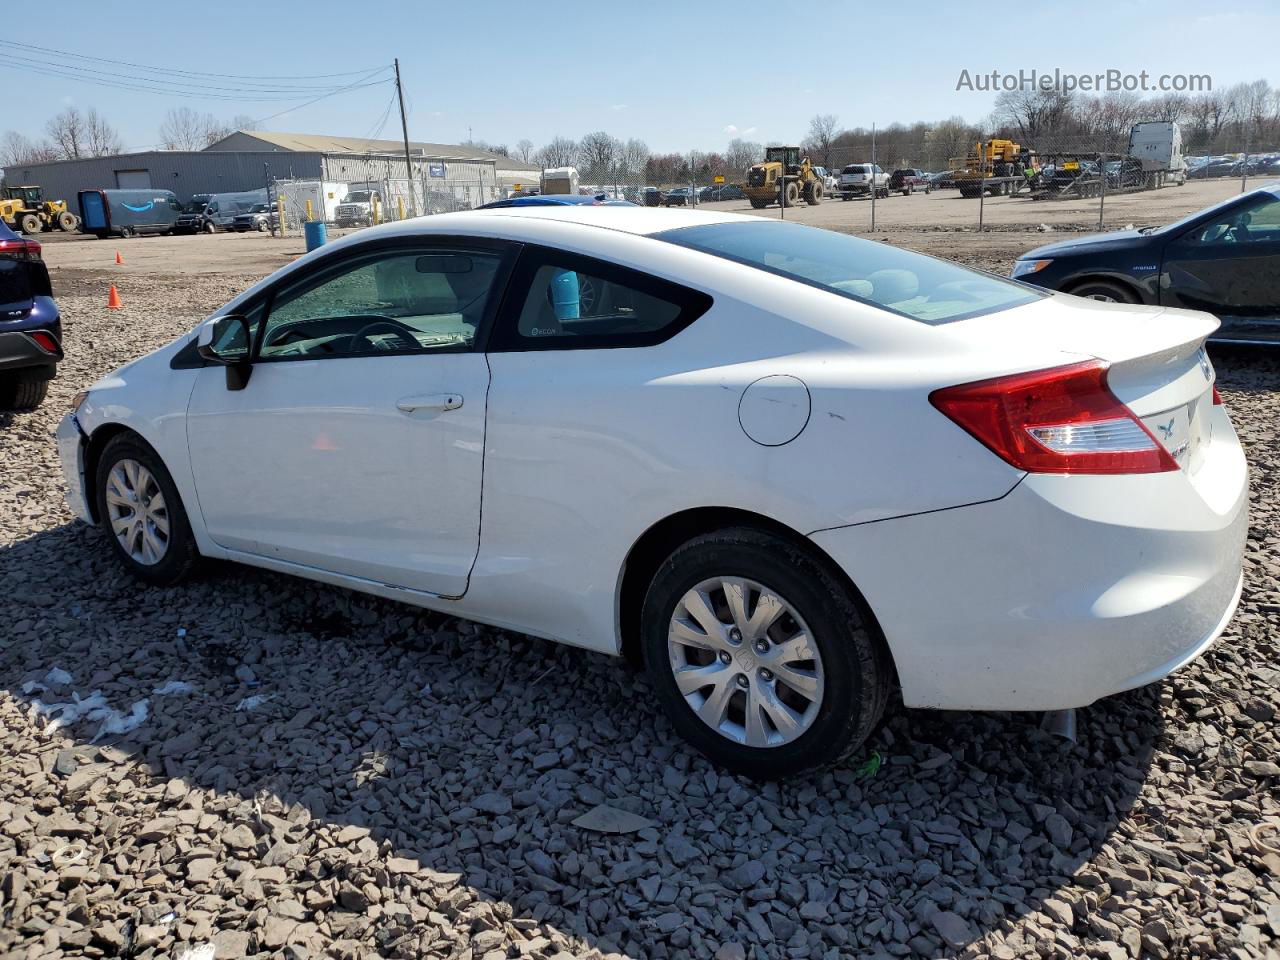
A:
[855,168]
[922,288]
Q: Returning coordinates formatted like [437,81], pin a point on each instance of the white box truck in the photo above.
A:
[1157,145]
[560,180]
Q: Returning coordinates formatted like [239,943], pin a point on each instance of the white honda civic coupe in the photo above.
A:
[787,469]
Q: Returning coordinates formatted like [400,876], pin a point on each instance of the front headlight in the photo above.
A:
[1023,267]
[79,399]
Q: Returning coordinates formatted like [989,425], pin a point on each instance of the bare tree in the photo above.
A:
[67,131]
[950,140]
[103,140]
[560,152]
[523,149]
[741,154]
[1034,113]
[598,154]
[16,150]
[632,160]
[822,134]
[184,129]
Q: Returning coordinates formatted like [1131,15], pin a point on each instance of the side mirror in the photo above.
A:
[228,341]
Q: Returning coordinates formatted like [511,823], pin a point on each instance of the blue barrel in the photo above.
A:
[316,233]
[566,295]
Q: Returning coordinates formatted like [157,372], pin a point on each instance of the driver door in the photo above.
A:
[357,444]
[1230,267]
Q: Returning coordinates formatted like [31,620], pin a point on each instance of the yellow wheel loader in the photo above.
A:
[25,209]
[785,177]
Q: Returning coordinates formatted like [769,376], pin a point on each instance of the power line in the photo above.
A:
[300,106]
[178,88]
[119,84]
[248,78]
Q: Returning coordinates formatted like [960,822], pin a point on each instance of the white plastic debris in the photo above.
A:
[204,951]
[31,687]
[94,706]
[252,703]
[57,677]
[172,687]
[118,723]
[182,631]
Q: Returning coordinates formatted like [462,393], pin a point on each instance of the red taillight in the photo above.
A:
[1217,397]
[1062,420]
[45,340]
[20,249]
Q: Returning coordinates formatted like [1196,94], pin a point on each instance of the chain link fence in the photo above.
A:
[989,180]
[439,187]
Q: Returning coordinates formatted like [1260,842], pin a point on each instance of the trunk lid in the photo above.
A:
[1158,365]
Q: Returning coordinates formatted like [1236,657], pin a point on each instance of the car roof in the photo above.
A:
[6,233]
[642,221]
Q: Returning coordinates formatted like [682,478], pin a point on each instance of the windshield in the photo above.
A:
[259,208]
[922,288]
[196,205]
[359,196]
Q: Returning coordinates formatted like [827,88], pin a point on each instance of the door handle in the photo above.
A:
[434,401]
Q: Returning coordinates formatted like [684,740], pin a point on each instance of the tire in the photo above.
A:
[790,193]
[759,204]
[813,196]
[179,555]
[30,224]
[1104,290]
[209,227]
[22,393]
[850,673]
[67,221]
[126,233]
[928,189]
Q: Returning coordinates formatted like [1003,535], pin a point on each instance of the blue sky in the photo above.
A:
[675,74]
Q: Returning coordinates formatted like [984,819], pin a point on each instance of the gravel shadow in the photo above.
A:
[387,732]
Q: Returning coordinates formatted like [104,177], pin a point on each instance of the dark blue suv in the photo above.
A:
[30,327]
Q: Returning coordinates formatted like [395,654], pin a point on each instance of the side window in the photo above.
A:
[1259,223]
[577,303]
[394,302]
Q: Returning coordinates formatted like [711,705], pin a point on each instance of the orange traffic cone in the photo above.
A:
[119,259]
[113,299]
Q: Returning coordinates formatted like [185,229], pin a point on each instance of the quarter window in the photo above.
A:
[401,302]
[573,302]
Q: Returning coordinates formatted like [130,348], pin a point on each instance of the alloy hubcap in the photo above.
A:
[137,511]
[745,662]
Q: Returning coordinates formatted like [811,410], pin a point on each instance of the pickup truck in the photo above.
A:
[908,180]
[857,178]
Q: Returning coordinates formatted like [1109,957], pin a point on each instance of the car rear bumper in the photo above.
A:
[1066,590]
[19,352]
[71,447]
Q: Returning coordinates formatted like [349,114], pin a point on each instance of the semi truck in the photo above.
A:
[1157,145]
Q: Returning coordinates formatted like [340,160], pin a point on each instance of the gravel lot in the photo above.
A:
[349,777]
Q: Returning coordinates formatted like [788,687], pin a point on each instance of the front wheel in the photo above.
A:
[1105,291]
[141,513]
[760,656]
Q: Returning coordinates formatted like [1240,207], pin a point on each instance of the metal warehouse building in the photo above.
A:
[246,159]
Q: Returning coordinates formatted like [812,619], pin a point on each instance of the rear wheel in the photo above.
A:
[18,392]
[126,232]
[67,221]
[1105,291]
[141,513]
[759,655]
[30,223]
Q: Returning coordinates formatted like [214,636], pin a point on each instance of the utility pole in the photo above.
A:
[404,130]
